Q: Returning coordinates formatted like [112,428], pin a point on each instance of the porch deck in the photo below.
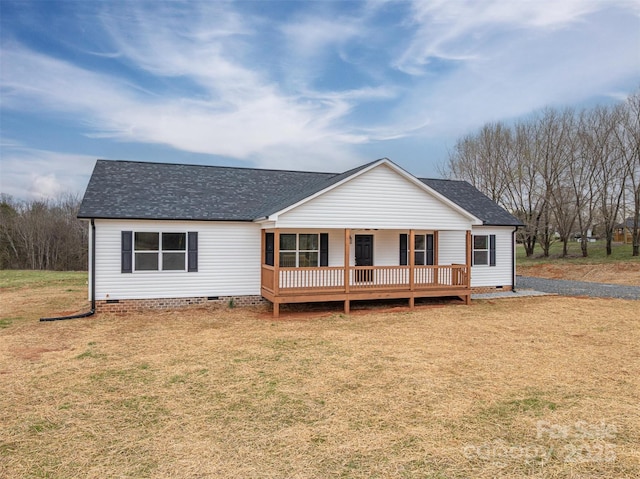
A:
[339,283]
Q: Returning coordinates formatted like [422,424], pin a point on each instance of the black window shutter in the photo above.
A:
[324,249]
[430,249]
[127,252]
[492,250]
[403,248]
[269,241]
[192,251]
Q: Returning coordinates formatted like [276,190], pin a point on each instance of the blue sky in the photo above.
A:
[311,85]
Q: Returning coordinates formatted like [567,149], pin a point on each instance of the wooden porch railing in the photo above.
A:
[311,278]
[363,278]
[268,277]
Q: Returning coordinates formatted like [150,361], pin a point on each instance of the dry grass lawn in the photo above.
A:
[534,387]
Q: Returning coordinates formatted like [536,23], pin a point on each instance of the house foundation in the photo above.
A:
[128,305]
[490,289]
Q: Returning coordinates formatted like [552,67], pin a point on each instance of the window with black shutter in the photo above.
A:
[159,251]
[423,249]
[484,250]
[301,250]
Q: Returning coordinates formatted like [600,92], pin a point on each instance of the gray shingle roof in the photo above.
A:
[628,223]
[166,191]
[467,196]
[127,189]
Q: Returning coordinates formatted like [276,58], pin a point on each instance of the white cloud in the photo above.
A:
[198,41]
[240,126]
[459,30]
[310,35]
[237,109]
[29,173]
[46,186]
[532,59]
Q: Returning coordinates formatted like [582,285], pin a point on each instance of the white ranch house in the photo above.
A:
[165,235]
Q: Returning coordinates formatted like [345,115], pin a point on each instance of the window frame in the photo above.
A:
[489,250]
[160,252]
[425,251]
[297,251]
[404,254]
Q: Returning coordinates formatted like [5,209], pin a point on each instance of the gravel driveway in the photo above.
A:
[578,288]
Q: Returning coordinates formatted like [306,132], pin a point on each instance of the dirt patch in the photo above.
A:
[614,273]
[34,353]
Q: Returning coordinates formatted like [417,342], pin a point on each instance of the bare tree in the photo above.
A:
[8,248]
[628,136]
[561,194]
[522,197]
[480,159]
[42,234]
[582,172]
[502,163]
[552,141]
[609,167]
[557,169]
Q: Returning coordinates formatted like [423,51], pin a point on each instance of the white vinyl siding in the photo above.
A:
[452,250]
[501,273]
[452,247]
[377,199]
[386,247]
[336,247]
[228,261]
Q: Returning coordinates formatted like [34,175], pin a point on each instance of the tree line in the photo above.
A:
[562,172]
[42,234]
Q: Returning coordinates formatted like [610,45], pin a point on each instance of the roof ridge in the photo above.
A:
[444,179]
[252,168]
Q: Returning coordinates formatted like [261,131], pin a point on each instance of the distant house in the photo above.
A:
[166,235]
[590,238]
[623,232]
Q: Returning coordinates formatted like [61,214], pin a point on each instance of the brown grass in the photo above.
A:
[614,273]
[508,388]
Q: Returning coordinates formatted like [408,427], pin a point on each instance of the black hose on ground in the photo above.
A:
[92,311]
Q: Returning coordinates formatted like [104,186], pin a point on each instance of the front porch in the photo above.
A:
[351,282]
